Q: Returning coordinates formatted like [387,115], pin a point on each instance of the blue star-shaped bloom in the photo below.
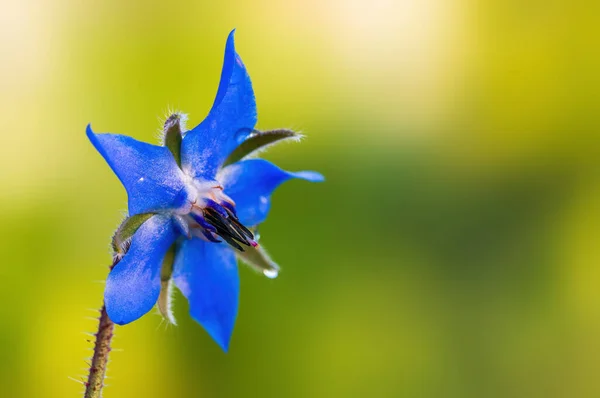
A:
[189,195]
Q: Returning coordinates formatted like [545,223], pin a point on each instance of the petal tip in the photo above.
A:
[224,346]
[311,176]
[220,333]
[93,137]
[231,35]
[230,44]
[89,132]
[222,336]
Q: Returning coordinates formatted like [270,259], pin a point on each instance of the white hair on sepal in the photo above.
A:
[297,137]
[259,260]
[183,118]
[165,301]
[124,215]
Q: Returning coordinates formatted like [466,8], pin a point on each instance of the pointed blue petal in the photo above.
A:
[133,285]
[148,172]
[229,122]
[207,275]
[250,184]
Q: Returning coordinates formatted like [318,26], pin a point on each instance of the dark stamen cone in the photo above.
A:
[229,228]
[237,223]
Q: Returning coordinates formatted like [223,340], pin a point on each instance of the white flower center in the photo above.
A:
[211,215]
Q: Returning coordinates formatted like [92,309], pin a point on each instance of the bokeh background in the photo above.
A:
[454,250]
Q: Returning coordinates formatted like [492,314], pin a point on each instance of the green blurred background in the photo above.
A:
[453,251]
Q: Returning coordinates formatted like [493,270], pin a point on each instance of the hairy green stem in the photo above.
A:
[95,382]
[106,327]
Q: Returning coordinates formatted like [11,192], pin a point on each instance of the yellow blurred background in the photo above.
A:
[454,250]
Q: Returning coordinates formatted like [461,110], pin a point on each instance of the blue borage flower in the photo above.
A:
[198,198]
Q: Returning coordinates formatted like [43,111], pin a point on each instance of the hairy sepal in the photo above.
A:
[128,227]
[258,259]
[259,141]
[165,298]
[172,135]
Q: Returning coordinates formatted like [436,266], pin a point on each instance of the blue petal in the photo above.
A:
[230,120]
[148,172]
[250,184]
[133,285]
[207,275]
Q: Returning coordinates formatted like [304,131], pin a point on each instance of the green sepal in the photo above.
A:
[258,259]
[259,140]
[172,136]
[128,227]
[166,286]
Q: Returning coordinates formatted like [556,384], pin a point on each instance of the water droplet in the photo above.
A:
[256,234]
[271,273]
[242,134]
